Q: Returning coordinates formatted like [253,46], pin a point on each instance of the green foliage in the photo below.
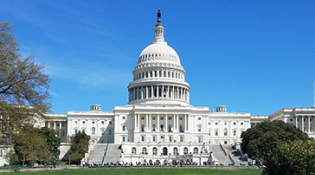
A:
[12,157]
[295,157]
[79,146]
[23,85]
[52,142]
[259,141]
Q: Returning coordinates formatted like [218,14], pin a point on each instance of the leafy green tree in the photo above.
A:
[79,146]
[23,85]
[259,141]
[12,157]
[52,143]
[295,157]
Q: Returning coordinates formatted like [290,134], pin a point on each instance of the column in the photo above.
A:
[162,91]
[54,125]
[152,92]
[146,122]
[60,125]
[188,96]
[158,123]
[49,124]
[173,93]
[166,126]
[185,121]
[238,129]
[174,127]
[146,92]
[177,92]
[177,122]
[150,122]
[168,92]
[139,127]
[296,122]
[302,123]
[135,122]
[308,124]
[141,92]
[313,124]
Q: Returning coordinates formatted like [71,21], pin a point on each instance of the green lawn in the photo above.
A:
[147,171]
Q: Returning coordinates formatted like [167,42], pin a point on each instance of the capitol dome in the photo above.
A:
[159,77]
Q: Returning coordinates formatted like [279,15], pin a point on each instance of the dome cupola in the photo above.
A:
[159,76]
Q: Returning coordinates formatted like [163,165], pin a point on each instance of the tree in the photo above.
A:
[23,85]
[295,157]
[27,144]
[79,146]
[52,144]
[12,157]
[259,141]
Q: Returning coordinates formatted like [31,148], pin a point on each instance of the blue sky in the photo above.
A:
[252,56]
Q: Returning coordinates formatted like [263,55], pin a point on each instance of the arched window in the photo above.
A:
[93,130]
[175,151]
[161,127]
[103,131]
[142,128]
[153,128]
[154,151]
[180,128]
[134,150]
[75,131]
[234,133]
[225,132]
[185,150]
[199,128]
[169,128]
[195,150]
[164,151]
[144,150]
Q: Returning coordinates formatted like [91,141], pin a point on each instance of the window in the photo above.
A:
[83,122]
[63,134]
[153,138]
[234,123]
[169,128]
[225,132]
[209,123]
[124,128]
[93,122]
[110,122]
[199,118]
[57,134]
[161,118]
[75,131]
[170,138]
[124,117]
[142,128]
[169,118]
[181,138]
[154,151]
[110,132]
[292,119]
[180,128]
[185,150]
[199,139]
[134,150]
[153,128]
[234,133]
[175,151]
[103,131]
[216,123]
[199,128]
[195,150]
[180,118]
[93,130]
[83,130]
[216,133]
[123,139]
[225,142]
[142,118]
[103,122]
[75,122]
[225,123]
[142,138]
[153,118]
[242,123]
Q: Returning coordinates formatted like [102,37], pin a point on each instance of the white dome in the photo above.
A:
[159,52]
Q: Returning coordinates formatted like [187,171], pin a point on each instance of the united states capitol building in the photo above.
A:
[159,125]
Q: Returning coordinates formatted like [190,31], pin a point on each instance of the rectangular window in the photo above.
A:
[123,139]
[103,132]
[75,131]
[169,118]
[153,138]
[170,138]
[199,139]
[110,132]
[57,134]
[142,138]
[102,122]
[63,134]
[234,133]
[216,133]
[199,118]
[153,118]
[181,138]
[161,118]
[180,118]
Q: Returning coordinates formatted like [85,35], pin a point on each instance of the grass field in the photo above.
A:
[147,171]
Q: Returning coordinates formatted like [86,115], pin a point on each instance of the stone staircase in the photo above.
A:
[113,154]
[97,154]
[220,155]
[235,155]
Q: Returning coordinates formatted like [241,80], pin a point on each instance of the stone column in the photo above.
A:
[141,90]
[150,122]
[146,122]
[173,93]
[168,92]
[158,123]
[296,121]
[308,124]
[174,122]
[139,126]
[146,92]
[54,125]
[166,126]
[48,124]
[185,121]
[135,122]
[302,123]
